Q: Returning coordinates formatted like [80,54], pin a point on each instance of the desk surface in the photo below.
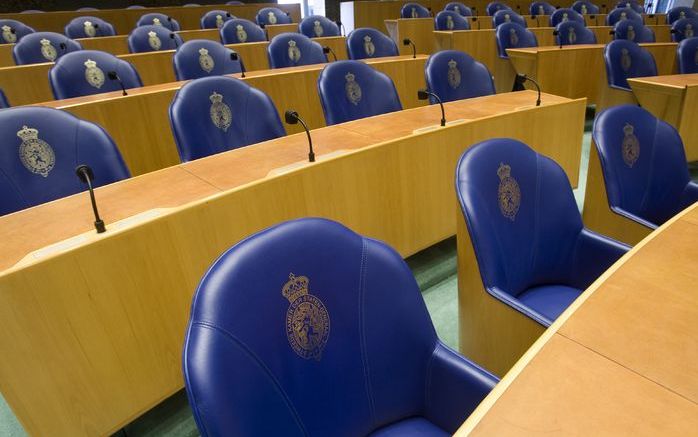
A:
[679,81]
[621,360]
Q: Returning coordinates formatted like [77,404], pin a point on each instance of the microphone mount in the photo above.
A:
[292,117]
[518,85]
[113,76]
[328,49]
[408,42]
[235,56]
[424,94]
[85,174]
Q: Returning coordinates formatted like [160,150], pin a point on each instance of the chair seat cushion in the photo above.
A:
[414,426]
[549,300]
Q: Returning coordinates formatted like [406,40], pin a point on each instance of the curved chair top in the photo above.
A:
[455,75]
[565,14]
[135,7]
[450,20]
[86,9]
[215,19]
[541,8]
[414,10]
[573,32]
[633,31]
[507,16]
[619,14]
[459,8]
[680,12]
[158,19]
[291,49]
[41,47]
[585,7]
[495,6]
[12,31]
[272,16]
[239,30]
[687,56]
[684,28]
[88,27]
[316,26]
[631,5]
[152,39]
[625,59]
[202,58]
[234,3]
[513,35]
[366,42]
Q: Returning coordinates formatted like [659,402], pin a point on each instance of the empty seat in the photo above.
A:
[366,42]
[316,26]
[617,15]
[12,31]
[541,8]
[152,39]
[293,49]
[88,27]
[565,14]
[215,19]
[454,75]
[450,20]
[625,59]
[573,32]
[684,28]
[633,31]
[493,7]
[687,56]
[680,12]
[272,16]
[202,58]
[459,8]
[158,19]
[585,7]
[507,16]
[41,47]
[239,30]
[414,10]
[513,35]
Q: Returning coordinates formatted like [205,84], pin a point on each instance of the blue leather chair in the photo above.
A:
[41,47]
[565,14]
[684,28]
[12,31]
[86,72]
[152,39]
[687,56]
[292,49]
[234,3]
[617,15]
[272,16]
[513,35]
[158,19]
[366,42]
[507,16]
[541,8]
[86,9]
[643,164]
[460,8]
[316,26]
[135,7]
[334,304]
[350,90]
[493,7]
[633,31]
[414,10]
[573,32]
[680,12]
[4,103]
[532,249]
[216,114]
[42,147]
[202,58]
[88,27]
[625,59]
[585,7]
[215,19]
[239,30]
[631,5]
[450,20]
[454,75]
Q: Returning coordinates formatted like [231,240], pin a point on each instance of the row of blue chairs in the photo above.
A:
[92,8]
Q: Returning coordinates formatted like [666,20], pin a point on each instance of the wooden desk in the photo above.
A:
[108,312]
[620,360]
[662,33]
[276,29]
[419,30]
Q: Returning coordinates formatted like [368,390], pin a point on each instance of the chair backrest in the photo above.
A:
[239,30]
[495,6]
[680,12]
[350,90]
[414,10]
[86,8]
[316,26]
[86,72]
[135,7]
[625,59]
[630,5]
[684,28]
[4,103]
[565,14]
[215,19]
[585,7]
[507,16]
[215,114]
[12,31]
[521,215]
[158,19]
[687,56]
[191,5]
[366,42]
[291,49]
[454,75]
[643,162]
[617,15]
[272,16]
[202,58]
[460,8]
[42,147]
[633,31]
[573,32]
[152,39]
[450,20]
[541,8]
[88,27]
[43,47]
[513,35]
[234,3]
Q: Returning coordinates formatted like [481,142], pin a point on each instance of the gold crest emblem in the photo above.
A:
[413,13]
[89,29]
[369,48]
[565,17]
[625,61]
[584,9]
[8,35]
[456,9]
[631,33]
[271,18]
[682,14]
[352,89]
[240,32]
[317,28]
[294,53]
[571,36]
[509,193]
[205,60]
[513,37]
[453,74]
[156,22]
[219,21]
[221,115]
[449,22]
[48,51]
[630,146]
[688,31]
[93,74]
[307,320]
[36,155]
[154,41]
[507,18]
[623,15]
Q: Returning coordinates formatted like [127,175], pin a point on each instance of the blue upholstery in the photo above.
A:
[350,90]
[32,11]
[135,7]
[680,12]
[292,49]
[565,14]
[215,19]
[454,75]
[366,42]
[316,26]
[74,74]
[687,56]
[585,7]
[459,8]
[414,10]
[684,28]
[87,8]
[532,249]
[495,6]
[617,15]
[272,16]
[158,19]
[513,35]
[573,32]
[12,31]
[507,16]
[643,164]
[202,58]
[152,39]
[37,165]
[239,30]
[234,3]
[450,20]
[43,47]
[215,114]
[625,59]
[541,8]
[360,355]
[88,27]
[630,5]
[3,100]
[633,31]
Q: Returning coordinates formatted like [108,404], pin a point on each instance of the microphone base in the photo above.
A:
[99,226]
[425,129]
[300,164]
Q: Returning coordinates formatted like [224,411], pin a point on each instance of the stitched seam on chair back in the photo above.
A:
[362,332]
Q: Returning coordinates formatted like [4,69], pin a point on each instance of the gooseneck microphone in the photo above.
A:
[557,33]
[408,42]
[86,175]
[63,47]
[235,56]
[596,20]
[327,49]
[96,26]
[474,18]
[343,31]
[113,76]
[292,117]
[174,38]
[519,81]
[424,94]
[536,17]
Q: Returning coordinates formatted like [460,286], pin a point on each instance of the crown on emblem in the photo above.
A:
[28,133]
[219,17]
[367,38]
[452,63]
[152,34]
[203,51]
[156,21]
[349,77]
[238,26]
[504,171]
[316,22]
[216,98]
[90,63]
[45,42]
[292,43]
[296,287]
[6,28]
[628,129]
[88,24]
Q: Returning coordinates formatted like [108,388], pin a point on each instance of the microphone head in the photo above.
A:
[172,36]
[406,41]
[422,94]
[612,32]
[325,49]
[227,14]
[12,30]
[291,116]
[84,172]
[62,46]
[96,26]
[339,23]
[234,56]
[112,75]
[474,18]
[555,32]
[169,19]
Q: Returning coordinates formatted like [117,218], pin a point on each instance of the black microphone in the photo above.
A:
[424,94]
[173,38]
[431,14]
[474,18]
[341,26]
[292,117]
[656,19]
[596,21]
[556,33]
[407,42]
[537,20]
[235,56]
[62,46]
[519,81]
[474,11]
[113,76]
[85,175]
[326,50]
[603,6]
[96,26]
